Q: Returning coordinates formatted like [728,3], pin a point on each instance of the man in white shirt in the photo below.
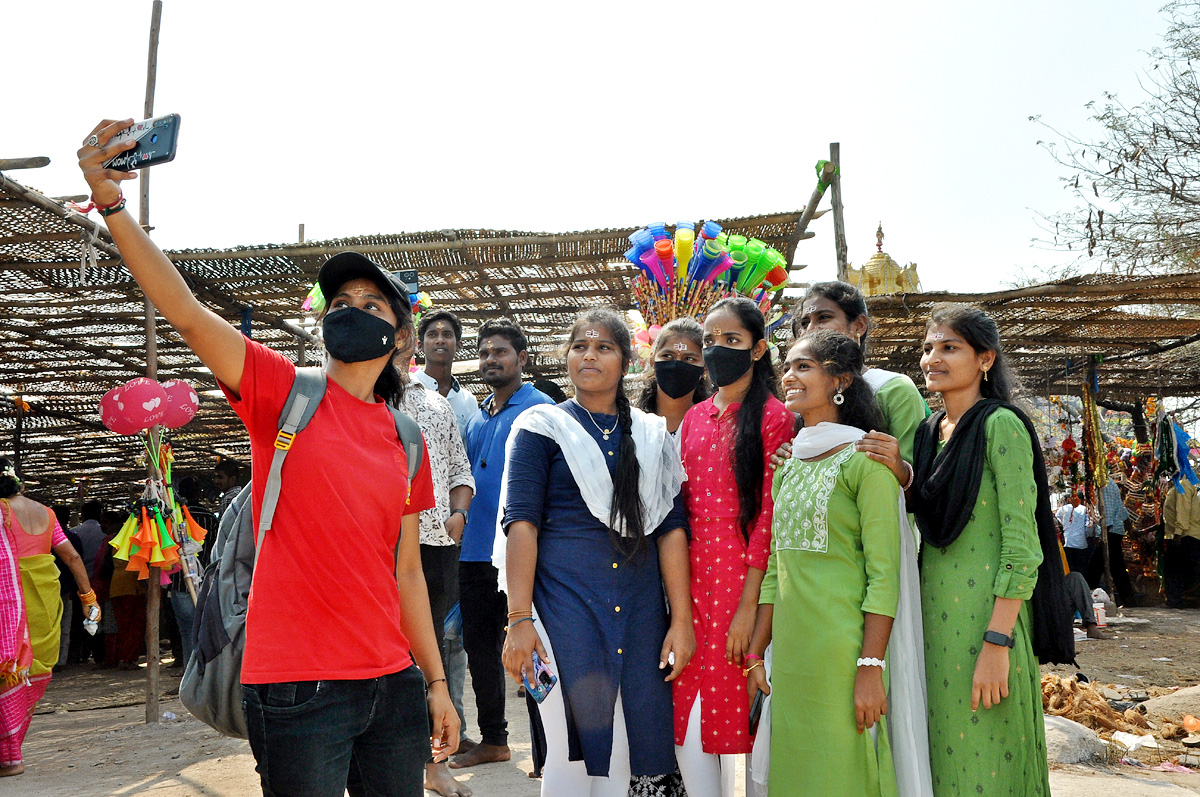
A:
[1074,519]
[439,336]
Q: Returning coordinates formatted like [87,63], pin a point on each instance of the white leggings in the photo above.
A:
[561,777]
[704,774]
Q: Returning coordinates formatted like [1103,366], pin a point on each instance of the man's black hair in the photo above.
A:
[91,510]
[431,317]
[229,468]
[508,329]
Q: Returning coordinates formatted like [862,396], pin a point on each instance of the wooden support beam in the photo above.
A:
[839,224]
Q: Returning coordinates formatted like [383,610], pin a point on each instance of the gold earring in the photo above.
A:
[985,374]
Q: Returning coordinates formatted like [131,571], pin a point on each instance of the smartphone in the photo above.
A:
[756,710]
[156,139]
[544,680]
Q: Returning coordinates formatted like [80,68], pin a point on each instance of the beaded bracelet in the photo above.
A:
[880,663]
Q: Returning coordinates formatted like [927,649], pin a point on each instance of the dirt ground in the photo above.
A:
[90,737]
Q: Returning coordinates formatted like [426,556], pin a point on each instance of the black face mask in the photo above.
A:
[354,336]
[726,365]
[676,377]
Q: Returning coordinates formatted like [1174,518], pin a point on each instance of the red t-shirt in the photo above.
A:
[324,603]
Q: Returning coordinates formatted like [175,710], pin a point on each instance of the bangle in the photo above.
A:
[434,681]
[746,672]
[880,663]
[518,622]
[525,613]
[750,656]
[88,597]
[911,476]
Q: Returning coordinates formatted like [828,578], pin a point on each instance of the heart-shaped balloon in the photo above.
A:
[142,402]
[110,414]
[182,403]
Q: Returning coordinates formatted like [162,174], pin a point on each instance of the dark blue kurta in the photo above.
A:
[605,616]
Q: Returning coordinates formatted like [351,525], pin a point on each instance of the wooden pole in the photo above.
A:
[839,224]
[154,592]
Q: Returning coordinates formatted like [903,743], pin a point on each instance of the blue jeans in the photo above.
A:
[321,738]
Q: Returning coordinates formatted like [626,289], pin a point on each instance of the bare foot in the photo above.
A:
[466,745]
[11,769]
[439,779]
[481,753]
[1095,633]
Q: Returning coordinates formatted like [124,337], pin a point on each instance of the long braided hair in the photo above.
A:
[627,502]
[747,452]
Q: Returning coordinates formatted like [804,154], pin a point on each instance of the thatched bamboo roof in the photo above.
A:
[1141,327]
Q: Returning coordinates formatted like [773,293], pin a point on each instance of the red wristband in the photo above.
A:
[750,656]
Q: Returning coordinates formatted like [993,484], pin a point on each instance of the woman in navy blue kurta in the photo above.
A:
[601,609]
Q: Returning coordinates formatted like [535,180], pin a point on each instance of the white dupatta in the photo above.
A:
[659,466]
[907,703]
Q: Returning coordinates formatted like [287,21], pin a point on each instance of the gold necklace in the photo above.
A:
[599,428]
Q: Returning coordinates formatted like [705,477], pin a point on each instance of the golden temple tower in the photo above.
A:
[881,274]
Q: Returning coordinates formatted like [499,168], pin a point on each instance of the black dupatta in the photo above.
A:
[945,488]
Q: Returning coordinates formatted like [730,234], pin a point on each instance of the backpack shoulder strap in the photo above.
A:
[301,405]
[411,440]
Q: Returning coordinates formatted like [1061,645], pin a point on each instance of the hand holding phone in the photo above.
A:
[156,139]
[543,679]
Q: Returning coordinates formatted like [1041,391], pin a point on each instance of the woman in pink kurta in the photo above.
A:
[726,442]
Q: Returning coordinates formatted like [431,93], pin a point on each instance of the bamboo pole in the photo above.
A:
[839,224]
[154,591]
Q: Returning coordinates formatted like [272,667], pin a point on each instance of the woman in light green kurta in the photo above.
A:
[985,704]
[831,587]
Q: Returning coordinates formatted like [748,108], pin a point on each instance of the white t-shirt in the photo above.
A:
[1074,520]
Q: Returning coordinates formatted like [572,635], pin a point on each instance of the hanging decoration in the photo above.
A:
[159,532]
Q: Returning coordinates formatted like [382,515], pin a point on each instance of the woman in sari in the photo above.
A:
[30,609]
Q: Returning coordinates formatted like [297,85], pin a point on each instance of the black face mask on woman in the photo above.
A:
[676,377]
[726,365]
[354,336]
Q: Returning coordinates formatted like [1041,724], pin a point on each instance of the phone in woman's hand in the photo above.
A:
[544,680]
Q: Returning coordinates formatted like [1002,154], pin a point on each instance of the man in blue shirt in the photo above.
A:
[503,356]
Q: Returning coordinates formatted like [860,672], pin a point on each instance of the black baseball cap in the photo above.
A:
[346,266]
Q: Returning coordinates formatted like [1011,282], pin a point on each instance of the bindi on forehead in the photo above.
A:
[591,333]
[937,335]
[680,346]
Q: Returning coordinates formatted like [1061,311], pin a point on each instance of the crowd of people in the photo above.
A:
[696,567]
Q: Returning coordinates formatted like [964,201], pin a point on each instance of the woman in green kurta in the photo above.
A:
[979,567]
[831,587]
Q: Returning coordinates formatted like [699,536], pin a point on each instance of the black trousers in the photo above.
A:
[1077,559]
[1120,574]
[440,565]
[484,612]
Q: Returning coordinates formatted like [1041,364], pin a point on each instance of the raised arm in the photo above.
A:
[218,345]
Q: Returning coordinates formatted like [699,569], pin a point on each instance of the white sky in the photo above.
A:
[370,117]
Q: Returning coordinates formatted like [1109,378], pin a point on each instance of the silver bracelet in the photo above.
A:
[880,663]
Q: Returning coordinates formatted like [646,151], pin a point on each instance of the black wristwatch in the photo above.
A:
[996,638]
[462,512]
